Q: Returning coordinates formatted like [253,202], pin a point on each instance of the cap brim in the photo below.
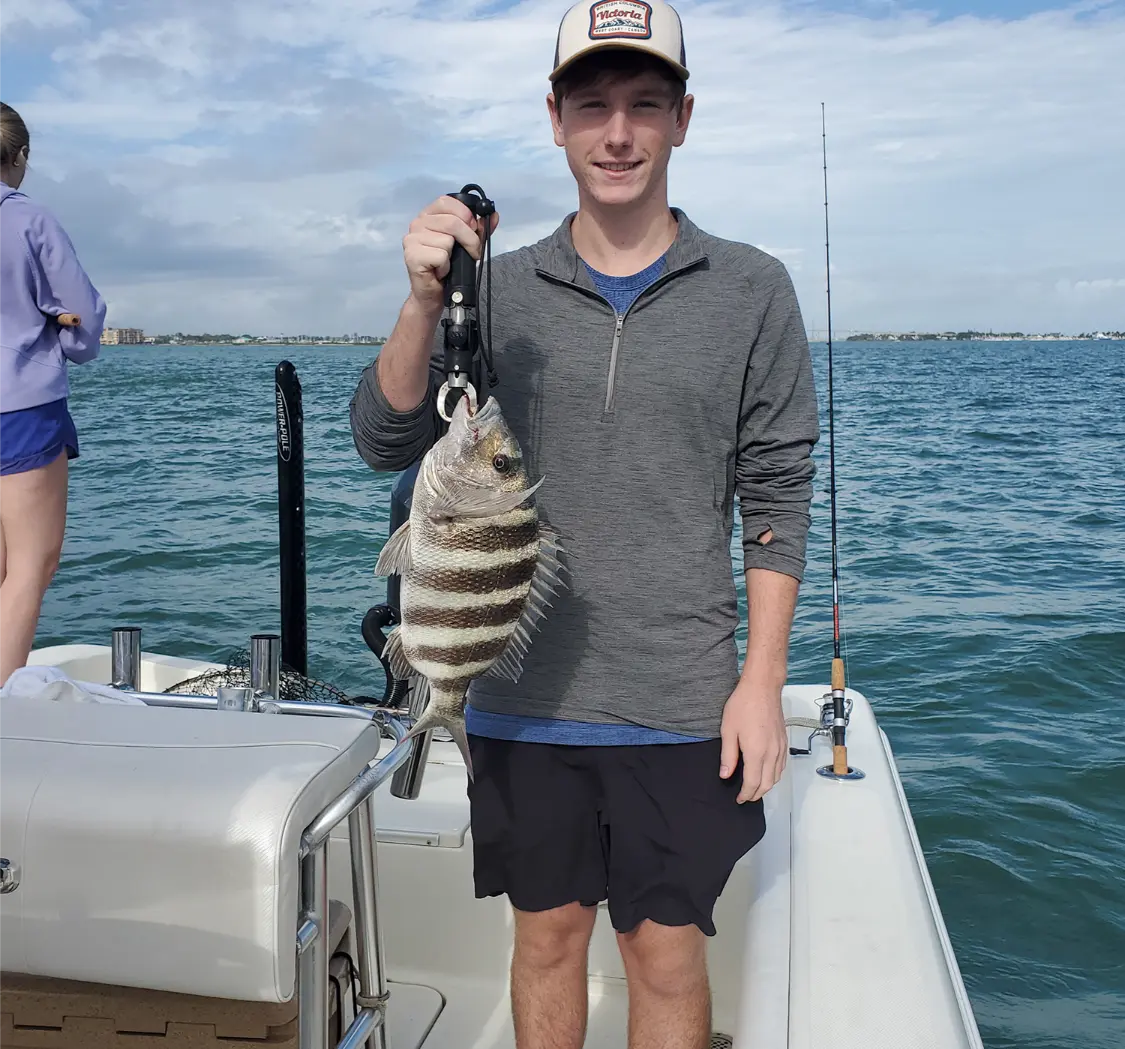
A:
[618,45]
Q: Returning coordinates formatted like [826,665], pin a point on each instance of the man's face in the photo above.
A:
[619,134]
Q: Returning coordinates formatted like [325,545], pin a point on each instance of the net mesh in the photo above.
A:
[293,686]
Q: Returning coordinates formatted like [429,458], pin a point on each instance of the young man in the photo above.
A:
[651,372]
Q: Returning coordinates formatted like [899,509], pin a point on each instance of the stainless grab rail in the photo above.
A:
[356,804]
[362,787]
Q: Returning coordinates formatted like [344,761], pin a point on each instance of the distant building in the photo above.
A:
[122,336]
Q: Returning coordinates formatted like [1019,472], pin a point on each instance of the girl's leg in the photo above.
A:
[32,523]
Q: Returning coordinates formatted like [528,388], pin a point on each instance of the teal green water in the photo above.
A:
[981,491]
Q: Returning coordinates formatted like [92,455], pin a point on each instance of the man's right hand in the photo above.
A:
[429,242]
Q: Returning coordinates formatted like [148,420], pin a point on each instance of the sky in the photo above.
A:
[253,166]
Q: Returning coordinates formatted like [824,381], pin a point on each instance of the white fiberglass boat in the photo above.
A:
[170,859]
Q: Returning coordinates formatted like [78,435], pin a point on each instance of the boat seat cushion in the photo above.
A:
[158,847]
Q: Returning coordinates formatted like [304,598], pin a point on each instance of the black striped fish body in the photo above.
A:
[478,568]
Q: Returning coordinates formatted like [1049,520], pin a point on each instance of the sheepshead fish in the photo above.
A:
[478,568]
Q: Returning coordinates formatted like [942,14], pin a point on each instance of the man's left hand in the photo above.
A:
[754,725]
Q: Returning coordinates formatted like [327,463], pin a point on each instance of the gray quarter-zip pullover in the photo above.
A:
[646,426]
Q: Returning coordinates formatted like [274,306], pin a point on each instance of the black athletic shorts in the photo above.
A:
[651,828]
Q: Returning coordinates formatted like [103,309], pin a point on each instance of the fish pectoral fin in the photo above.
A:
[394,558]
[395,655]
[545,584]
[478,502]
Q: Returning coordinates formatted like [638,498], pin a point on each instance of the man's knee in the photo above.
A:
[667,960]
[552,938]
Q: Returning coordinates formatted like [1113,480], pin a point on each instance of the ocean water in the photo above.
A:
[981,491]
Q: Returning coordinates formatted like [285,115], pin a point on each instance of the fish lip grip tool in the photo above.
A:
[461,323]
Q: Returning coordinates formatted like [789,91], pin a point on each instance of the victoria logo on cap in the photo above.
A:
[613,19]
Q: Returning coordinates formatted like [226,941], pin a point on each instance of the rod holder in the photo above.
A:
[265,664]
[125,658]
[407,780]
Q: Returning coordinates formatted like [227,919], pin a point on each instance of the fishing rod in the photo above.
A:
[461,324]
[839,723]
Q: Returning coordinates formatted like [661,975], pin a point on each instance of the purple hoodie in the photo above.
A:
[40,277]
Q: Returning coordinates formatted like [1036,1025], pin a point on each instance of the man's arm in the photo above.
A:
[403,366]
[771,599]
[393,413]
[774,471]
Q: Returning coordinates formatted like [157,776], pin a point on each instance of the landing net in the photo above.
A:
[292,686]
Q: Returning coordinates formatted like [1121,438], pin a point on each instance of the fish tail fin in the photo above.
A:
[431,719]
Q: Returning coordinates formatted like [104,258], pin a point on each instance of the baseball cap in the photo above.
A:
[652,26]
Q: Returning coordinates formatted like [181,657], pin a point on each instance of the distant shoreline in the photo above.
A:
[976,336]
[814,337]
[244,343]
[258,343]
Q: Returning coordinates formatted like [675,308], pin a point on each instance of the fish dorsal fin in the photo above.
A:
[545,584]
[394,558]
[477,502]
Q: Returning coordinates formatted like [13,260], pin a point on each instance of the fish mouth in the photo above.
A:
[466,426]
[463,412]
[486,411]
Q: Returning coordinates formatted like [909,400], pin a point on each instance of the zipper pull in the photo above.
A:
[611,381]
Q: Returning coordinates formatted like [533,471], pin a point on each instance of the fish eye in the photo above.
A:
[500,463]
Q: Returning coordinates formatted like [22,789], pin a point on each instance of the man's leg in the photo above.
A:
[669,993]
[675,832]
[537,840]
[549,1000]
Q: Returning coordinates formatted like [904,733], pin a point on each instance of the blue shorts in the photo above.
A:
[34,437]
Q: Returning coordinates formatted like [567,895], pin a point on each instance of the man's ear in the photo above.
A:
[553,108]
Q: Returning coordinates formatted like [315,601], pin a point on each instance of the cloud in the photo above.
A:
[260,162]
[1084,289]
[38,15]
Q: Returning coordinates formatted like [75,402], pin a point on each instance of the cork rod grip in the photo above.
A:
[839,751]
[69,320]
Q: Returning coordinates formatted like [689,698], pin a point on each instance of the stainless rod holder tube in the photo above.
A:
[265,663]
[370,957]
[407,781]
[312,963]
[125,658]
